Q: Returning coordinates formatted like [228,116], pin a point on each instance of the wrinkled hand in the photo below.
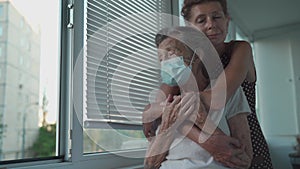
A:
[246,159]
[148,130]
[151,117]
[227,151]
[181,108]
[151,113]
[175,109]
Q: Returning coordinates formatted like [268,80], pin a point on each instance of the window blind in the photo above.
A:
[121,64]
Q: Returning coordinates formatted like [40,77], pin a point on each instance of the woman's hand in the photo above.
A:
[180,109]
[226,150]
[173,115]
[172,109]
[148,130]
[240,130]
[151,113]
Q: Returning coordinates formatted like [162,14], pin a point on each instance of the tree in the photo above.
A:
[2,131]
[45,145]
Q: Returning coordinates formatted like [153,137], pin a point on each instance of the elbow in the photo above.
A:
[146,115]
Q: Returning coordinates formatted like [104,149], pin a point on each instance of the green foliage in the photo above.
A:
[45,144]
[132,133]
[102,140]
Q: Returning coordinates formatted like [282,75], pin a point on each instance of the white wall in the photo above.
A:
[295,51]
[277,60]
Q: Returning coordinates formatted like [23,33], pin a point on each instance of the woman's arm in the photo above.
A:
[173,115]
[217,145]
[239,129]
[225,149]
[216,142]
[153,111]
[158,148]
[240,67]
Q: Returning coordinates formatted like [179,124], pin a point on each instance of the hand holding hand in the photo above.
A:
[180,109]
[151,113]
[227,151]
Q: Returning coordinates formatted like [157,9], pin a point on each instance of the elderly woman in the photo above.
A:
[180,68]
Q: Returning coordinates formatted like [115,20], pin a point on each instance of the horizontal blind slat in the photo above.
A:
[121,62]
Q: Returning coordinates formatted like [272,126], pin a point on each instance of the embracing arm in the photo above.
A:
[239,129]
[225,149]
[153,111]
[173,115]
[160,144]
[240,67]
[158,148]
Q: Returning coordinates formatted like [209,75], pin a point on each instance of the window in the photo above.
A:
[93,123]
[116,53]
[120,71]
[1,10]
[24,85]
[1,30]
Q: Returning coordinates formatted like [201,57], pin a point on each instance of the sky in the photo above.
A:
[43,16]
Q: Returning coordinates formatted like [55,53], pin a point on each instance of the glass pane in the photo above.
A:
[121,71]
[103,140]
[29,69]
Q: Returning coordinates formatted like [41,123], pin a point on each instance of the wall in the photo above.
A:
[295,51]
[277,60]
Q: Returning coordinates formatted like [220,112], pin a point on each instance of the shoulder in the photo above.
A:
[240,50]
[241,45]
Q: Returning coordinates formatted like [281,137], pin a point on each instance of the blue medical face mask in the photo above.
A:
[174,72]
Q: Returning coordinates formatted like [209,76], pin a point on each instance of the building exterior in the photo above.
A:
[19,83]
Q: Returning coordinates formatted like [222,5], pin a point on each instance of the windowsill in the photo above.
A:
[125,160]
[133,167]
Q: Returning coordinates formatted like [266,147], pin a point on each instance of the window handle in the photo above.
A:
[70,16]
